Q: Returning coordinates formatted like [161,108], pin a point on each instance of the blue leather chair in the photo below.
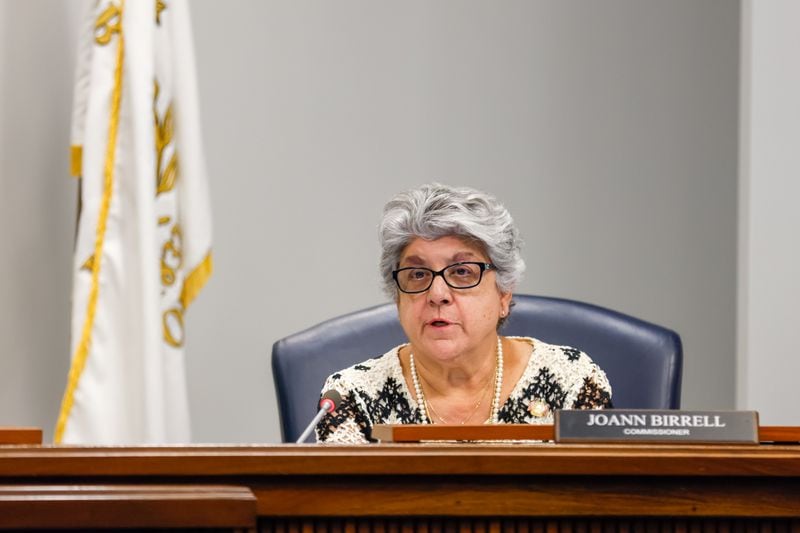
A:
[643,361]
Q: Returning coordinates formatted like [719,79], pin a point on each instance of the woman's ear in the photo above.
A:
[505,303]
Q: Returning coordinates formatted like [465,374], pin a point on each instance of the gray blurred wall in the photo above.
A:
[610,130]
[37,207]
[769,219]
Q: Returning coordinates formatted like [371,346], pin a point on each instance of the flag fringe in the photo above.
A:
[196,280]
[76,160]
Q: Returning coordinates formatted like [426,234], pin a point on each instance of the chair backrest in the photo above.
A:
[643,361]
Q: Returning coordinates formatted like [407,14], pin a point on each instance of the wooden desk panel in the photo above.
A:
[544,497]
[432,487]
[402,459]
[127,506]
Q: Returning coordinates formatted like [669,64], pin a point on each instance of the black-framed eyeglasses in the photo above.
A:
[464,275]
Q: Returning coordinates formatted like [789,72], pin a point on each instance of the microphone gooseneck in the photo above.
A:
[327,404]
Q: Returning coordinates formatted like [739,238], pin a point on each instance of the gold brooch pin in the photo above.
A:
[538,408]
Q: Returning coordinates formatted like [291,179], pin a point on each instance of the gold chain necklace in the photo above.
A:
[429,405]
[422,403]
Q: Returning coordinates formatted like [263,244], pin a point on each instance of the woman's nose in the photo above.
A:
[439,292]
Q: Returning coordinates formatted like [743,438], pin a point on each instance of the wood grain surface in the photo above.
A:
[20,435]
[401,459]
[317,487]
[127,506]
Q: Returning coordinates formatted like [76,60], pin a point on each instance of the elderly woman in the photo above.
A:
[450,260]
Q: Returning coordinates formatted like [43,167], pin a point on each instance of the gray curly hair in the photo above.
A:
[435,210]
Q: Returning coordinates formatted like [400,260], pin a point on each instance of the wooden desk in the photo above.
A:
[449,487]
[140,507]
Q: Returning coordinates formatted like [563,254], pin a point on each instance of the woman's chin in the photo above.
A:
[442,349]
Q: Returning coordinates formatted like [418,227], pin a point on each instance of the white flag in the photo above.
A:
[144,235]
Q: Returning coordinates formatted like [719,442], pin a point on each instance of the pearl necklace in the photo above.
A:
[498,387]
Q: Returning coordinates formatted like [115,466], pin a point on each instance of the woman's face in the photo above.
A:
[445,323]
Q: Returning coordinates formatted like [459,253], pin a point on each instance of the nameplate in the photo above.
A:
[643,425]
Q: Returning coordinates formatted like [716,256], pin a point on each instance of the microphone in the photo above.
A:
[328,403]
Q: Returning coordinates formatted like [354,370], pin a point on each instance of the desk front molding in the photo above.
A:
[403,459]
[416,486]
